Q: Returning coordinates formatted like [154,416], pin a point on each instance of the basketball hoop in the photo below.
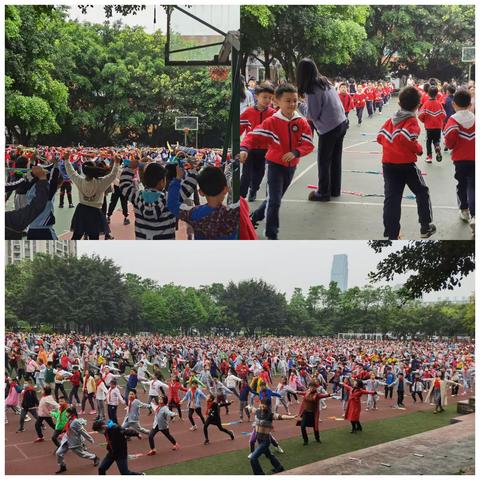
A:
[186,131]
[219,73]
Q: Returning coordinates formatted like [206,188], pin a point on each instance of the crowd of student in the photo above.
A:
[205,374]
[162,185]
[278,125]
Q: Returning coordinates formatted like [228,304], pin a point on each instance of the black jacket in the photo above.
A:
[116,437]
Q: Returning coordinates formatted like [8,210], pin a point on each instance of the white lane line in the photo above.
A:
[314,164]
[374,204]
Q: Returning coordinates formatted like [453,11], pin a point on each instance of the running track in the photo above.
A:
[22,457]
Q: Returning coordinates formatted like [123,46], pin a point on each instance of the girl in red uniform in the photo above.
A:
[354,406]
[359,100]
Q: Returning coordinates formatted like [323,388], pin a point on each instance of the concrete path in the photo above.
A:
[447,450]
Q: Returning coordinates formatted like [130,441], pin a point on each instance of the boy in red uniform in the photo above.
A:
[345,98]
[289,138]
[399,139]
[433,115]
[370,98]
[359,100]
[459,134]
[254,167]
[379,97]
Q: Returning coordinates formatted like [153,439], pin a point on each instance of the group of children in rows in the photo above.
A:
[277,136]
[161,189]
[95,369]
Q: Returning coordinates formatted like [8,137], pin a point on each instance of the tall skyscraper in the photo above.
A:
[17,250]
[339,273]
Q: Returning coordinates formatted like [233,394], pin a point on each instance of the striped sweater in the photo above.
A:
[153,218]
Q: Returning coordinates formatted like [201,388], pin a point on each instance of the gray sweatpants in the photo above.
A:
[81,451]
[134,426]
[100,408]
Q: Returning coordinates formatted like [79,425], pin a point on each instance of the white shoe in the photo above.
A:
[250,455]
[280,449]
[465,215]
[27,418]
[192,429]
[472,225]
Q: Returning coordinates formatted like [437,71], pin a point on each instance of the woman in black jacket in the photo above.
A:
[213,418]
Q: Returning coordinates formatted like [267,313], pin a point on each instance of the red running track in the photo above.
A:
[24,457]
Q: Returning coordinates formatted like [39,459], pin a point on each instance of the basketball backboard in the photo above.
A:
[201,34]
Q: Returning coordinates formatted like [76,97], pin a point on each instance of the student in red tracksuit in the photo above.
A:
[379,97]
[399,139]
[370,98]
[345,98]
[359,100]
[459,134]
[433,115]
[253,169]
[289,138]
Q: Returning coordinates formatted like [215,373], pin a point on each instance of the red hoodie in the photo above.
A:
[359,100]
[459,134]
[347,101]
[282,135]
[253,117]
[432,114]
[400,141]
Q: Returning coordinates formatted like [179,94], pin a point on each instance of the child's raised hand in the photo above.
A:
[118,159]
[288,157]
[243,157]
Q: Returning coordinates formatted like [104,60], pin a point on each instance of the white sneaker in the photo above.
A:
[27,418]
[279,449]
[465,215]
[250,455]
[472,225]
[192,429]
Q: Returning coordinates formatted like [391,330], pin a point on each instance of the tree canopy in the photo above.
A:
[100,84]
[363,41]
[92,295]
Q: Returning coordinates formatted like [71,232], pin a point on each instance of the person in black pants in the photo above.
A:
[252,174]
[117,450]
[213,418]
[329,158]
[117,195]
[29,404]
[46,402]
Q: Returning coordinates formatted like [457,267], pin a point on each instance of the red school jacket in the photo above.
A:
[253,116]
[432,114]
[347,101]
[282,135]
[459,135]
[359,100]
[370,94]
[354,407]
[400,141]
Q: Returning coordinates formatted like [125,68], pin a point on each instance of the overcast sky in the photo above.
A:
[285,264]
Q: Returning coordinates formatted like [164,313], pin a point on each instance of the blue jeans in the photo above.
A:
[279,178]
[263,448]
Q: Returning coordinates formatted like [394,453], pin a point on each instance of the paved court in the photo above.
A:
[360,218]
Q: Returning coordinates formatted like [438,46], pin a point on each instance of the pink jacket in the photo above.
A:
[47,404]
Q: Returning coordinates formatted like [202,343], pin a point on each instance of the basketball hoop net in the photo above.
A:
[219,73]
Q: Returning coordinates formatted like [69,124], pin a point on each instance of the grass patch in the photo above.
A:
[336,441]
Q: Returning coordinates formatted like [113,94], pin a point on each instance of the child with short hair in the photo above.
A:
[433,115]
[213,220]
[399,139]
[345,98]
[153,219]
[289,138]
[359,101]
[459,134]
[254,168]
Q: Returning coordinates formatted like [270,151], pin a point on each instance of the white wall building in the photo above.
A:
[17,250]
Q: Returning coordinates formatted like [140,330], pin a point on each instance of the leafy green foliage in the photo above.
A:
[69,82]
[362,41]
[437,265]
[91,295]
